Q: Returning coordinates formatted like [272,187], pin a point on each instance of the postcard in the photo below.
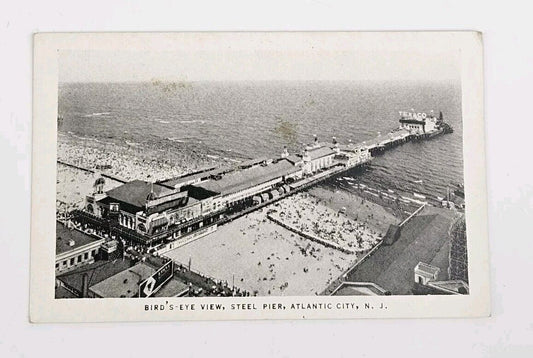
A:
[283,175]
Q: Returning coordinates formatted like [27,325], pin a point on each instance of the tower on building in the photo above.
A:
[285,152]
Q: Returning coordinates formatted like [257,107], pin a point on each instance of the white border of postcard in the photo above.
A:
[45,308]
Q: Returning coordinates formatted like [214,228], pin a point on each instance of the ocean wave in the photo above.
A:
[97,114]
[177,140]
[192,121]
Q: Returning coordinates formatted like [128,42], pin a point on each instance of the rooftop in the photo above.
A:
[135,192]
[97,272]
[125,283]
[425,268]
[172,288]
[320,152]
[423,238]
[62,292]
[358,289]
[188,178]
[242,179]
[294,158]
[64,235]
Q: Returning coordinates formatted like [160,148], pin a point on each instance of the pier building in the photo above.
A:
[418,123]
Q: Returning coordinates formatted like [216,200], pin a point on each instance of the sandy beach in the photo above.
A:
[264,258]
[73,185]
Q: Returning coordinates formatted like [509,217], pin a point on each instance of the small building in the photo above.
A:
[425,273]
[74,248]
[418,123]
[413,125]
[313,158]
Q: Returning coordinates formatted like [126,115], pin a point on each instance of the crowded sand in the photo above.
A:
[263,257]
[376,217]
[73,185]
[127,162]
[309,215]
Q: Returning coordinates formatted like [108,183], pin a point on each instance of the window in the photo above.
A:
[72,261]
[79,259]
[86,256]
[65,263]
[57,265]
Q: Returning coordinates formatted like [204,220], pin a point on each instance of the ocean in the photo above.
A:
[241,120]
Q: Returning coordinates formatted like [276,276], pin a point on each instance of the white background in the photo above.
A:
[508,75]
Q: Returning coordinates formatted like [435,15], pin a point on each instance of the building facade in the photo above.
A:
[74,248]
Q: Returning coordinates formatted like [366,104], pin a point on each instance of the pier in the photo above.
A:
[175,211]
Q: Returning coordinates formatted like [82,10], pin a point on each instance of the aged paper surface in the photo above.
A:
[199,176]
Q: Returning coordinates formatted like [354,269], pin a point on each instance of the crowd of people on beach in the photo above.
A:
[273,279]
[121,162]
[308,215]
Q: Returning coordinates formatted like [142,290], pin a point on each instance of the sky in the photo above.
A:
[257,64]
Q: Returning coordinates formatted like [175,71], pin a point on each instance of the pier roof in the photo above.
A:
[294,158]
[135,192]
[320,152]
[190,178]
[247,178]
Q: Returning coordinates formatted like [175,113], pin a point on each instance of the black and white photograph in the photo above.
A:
[277,179]
[261,171]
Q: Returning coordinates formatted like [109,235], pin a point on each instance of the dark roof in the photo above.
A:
[135,192]
[198,193]
[392,234]
[64,235]
[242,179]
[421,239]
[97,272]
[62,292]
[171,204]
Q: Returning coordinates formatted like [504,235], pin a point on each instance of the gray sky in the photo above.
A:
[246,65]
